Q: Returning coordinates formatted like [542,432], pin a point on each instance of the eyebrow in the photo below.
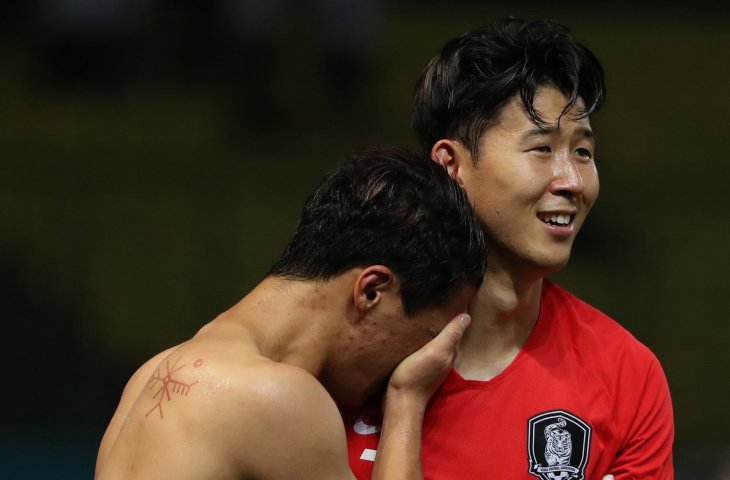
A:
[539,131]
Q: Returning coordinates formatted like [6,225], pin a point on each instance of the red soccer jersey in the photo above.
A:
[583,398]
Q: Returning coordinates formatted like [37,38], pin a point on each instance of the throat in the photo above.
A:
[485,367]
[503,318]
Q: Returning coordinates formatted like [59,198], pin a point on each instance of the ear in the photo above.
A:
[370,285]
[453,156]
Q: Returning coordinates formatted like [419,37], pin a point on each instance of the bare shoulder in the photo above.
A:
[208,373]
[131,392]
[235,413]
[291,399]
[282,423]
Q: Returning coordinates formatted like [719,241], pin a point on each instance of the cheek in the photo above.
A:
[591,186]
[489,197]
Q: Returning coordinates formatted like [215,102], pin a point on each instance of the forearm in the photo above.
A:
[410,387]
[399,450]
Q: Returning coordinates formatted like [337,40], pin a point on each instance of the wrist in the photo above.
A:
[405,403]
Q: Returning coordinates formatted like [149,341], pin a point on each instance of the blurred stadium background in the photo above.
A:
[154,155]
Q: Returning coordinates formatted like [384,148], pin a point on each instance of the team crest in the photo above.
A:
[558,444]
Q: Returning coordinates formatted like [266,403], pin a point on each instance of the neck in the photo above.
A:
[504,313]
[293,322]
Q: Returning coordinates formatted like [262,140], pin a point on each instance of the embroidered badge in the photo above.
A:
[558,444]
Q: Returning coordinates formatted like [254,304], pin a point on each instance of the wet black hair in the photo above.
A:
[392,207]
[464,87]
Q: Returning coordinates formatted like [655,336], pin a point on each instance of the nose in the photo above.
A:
[567,179]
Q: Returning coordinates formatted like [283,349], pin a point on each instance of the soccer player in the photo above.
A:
[545,386]
[387,253]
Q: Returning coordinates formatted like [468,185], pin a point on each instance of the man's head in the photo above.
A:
[396,232]
[389,207]
[505,108]
[464,88]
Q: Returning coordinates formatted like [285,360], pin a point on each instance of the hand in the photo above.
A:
[421,373]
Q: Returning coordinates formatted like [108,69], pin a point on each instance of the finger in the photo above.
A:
[451,334]
[608,477]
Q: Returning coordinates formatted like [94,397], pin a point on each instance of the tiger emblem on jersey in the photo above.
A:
[558,446]
[559,443]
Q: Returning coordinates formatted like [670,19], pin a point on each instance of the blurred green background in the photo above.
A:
[154,156]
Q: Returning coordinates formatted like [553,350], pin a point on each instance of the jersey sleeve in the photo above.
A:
[646,452]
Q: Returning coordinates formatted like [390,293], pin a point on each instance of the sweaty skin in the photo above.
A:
[533,188]
[243,398]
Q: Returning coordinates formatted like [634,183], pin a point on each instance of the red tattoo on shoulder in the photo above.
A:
[167,384]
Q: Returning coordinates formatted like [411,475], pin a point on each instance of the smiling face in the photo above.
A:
[533,186]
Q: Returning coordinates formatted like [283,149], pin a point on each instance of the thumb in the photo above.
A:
[424,370]
[451,334]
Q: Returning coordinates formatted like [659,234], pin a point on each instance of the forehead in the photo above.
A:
[549,103]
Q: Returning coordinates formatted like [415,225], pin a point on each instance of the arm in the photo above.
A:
[646,452]
[410,388]
[132,390]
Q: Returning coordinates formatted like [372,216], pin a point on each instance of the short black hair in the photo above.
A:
[464,87]
[393,207]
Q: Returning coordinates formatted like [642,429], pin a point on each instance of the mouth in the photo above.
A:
[557,219]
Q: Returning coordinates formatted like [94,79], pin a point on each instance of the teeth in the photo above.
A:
[561,219]
[556,219]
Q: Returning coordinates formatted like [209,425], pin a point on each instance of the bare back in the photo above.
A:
[214,407]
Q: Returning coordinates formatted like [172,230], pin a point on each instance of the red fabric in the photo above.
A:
[577,361]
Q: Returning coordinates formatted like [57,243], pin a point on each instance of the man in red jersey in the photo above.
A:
[545,386]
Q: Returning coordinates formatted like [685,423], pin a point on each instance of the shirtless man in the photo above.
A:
[386,253]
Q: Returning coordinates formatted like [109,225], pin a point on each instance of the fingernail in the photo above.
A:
[464,319]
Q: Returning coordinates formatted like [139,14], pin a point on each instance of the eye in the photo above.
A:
[584,152]
[542,149]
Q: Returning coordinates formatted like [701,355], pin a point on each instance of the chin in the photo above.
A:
[557,256]
[551,263]
[559,263]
